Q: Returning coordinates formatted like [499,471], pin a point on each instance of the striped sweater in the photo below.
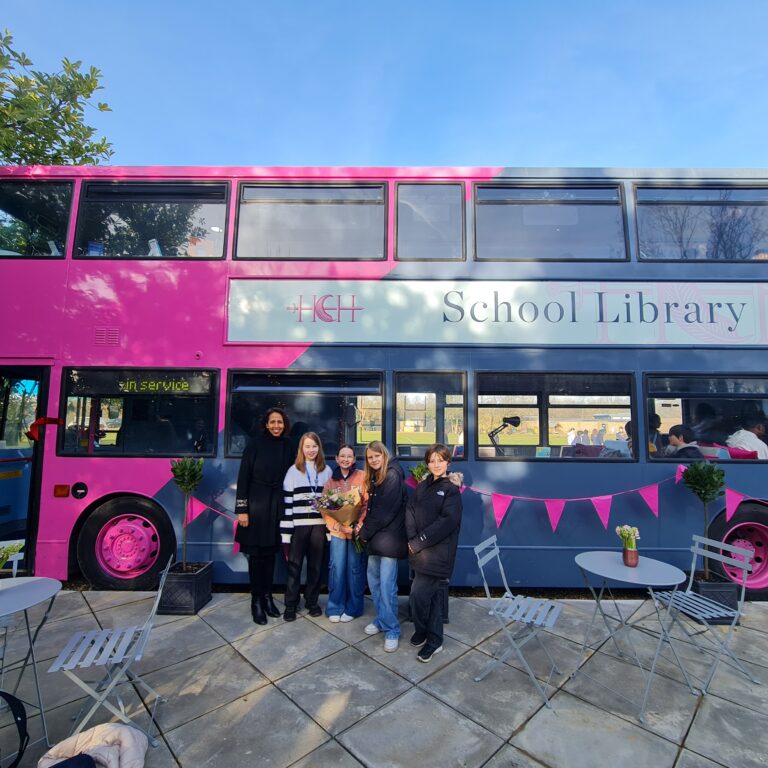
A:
[299,489]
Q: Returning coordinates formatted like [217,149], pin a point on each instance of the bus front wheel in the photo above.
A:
[748,528]
[124,544]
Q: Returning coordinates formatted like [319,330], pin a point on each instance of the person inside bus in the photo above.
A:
[144,431]
[384,533]
[682,443]
[707,426]
[655,438]
[751,436]
[628,429]
[432,522]
[346,567]
[259,507]
[302,527]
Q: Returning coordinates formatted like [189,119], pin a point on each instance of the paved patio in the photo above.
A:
[314,693]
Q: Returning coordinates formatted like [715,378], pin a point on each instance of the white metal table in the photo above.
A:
[648,574]
[21,594]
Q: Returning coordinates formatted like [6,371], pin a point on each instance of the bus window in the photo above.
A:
[430,409]
[339,407]
[553,415]
[430,222]
[312,222]
[718,409]
[129,412]
[33,218]
[152,220]
[549,223]
[726,224]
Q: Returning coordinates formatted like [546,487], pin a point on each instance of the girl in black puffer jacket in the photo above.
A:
[432,522]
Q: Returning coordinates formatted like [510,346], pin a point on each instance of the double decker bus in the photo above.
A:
[548,325]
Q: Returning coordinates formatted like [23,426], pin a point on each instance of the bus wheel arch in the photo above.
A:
[747,528]
[124,542]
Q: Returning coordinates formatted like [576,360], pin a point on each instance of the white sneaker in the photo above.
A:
[372,629]
[390,644]
[345,617]
[334,619]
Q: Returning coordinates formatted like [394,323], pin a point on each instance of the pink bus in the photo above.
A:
[524,317]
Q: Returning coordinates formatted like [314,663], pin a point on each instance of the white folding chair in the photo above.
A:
[116,650]
[527,615]
[8,622]
[707,612]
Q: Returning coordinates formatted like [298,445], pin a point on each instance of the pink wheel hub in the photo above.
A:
[127,546]
[754,537]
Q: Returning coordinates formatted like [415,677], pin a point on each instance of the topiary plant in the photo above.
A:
[187,473]
[707,481]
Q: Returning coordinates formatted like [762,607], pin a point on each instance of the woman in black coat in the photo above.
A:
[432,522]
[259,507]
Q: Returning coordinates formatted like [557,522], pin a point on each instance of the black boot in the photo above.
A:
[257,611]
[268,604]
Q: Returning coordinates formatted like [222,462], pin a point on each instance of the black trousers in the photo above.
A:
[426,603]
[307,541]
[261,567]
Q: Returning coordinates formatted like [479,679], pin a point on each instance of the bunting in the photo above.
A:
[650,496]
[732,501]
[602,505]
[195,509]
[554,510]
[501,504]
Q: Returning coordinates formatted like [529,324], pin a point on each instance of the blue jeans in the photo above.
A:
[382,579]
[346,579]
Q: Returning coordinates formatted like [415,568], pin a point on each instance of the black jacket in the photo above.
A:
[260,490]
[432,521]
[687,452]
[384,525]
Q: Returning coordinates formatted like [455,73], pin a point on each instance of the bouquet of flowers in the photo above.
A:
[628,535]
[419,472]
[342,507]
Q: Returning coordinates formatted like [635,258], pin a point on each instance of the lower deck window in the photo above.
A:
[129,412]
[554,415]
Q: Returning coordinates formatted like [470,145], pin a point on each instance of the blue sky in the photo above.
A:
[620,83]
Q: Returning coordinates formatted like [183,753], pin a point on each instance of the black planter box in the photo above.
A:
[724,592]
[186,593]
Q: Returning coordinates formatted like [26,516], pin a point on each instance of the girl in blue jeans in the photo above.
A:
[346,572]
[384,532]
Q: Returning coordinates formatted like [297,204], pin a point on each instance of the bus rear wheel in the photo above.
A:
[124,544]
[748,528]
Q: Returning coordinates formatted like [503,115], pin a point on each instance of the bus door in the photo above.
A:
[21,406]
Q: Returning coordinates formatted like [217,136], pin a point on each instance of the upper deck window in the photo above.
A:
[709,224]
[33,218]
[146,220]
[312,222]
[430,222]
[549,223]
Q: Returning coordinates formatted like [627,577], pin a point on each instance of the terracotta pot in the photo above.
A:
[630,557]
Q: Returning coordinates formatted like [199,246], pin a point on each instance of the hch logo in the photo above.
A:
[325,309]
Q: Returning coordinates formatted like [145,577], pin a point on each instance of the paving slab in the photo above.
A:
[288,647]
[201,684]
[511,757]
[670,707]
[730,684]
[574,620]
[755,616]
[233,620]
[501,702]
[264,728]
[51,641]
[67,605]
[729,734]
[100,600]
[132,614]
[418,730]
[578,735]
[330,755]
[470,623]
[340,690]
[688,759]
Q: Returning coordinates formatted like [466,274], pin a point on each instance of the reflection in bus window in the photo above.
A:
[33,218]
[152,220]
[18,406]
[339,407]
[703,224]
[430,221]
[716,408]
[430,409]
[553,415]
[139,412]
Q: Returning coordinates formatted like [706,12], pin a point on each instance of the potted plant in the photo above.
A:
[707,482]
[188,587]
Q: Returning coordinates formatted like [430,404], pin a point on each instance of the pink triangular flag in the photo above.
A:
[732,501]
[235,545]
[602,506]
[554,510]
[500,506]
[196,508]
[650,496]
[679,472]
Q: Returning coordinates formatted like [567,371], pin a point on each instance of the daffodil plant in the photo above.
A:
[628,535]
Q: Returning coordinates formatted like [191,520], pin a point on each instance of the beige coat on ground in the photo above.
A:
[111,745]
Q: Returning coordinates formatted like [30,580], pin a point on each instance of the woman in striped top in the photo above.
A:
[302,528]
